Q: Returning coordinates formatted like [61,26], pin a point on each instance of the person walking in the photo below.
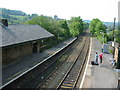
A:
[101,58]
[96,58]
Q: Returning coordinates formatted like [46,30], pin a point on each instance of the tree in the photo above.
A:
[76,19]
[92,26]
[64,25]
[86,25]
[116,33]
[100,27]
[96,26]
[55,17]
[58,28]
[34,15]
[76,26]
[118,37]
[74,29]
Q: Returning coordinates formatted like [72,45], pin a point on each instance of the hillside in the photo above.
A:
[87,21]
[19,17]
[15,16]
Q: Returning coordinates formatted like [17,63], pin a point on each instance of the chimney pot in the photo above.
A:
[4,22]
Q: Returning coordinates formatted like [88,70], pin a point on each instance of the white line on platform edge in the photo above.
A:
[81,84]
[36,65]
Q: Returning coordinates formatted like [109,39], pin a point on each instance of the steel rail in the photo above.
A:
[40,85]
[71,81]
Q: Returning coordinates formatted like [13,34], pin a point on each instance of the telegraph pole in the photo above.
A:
[114,29]
[114,38]
[118,61]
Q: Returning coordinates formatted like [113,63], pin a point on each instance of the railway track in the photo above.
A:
[78,59]
[73,53]
[38,73]
[26,79]
[72,75]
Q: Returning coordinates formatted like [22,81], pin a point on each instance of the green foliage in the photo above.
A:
[74,29]
[86,25]
[76,26]
[116,36]
[102,37]
[111,51]
[12,12]
[98,29]
[96,26]
[61,29]
[92,26]
[64,25]
[58,28]
[15,16]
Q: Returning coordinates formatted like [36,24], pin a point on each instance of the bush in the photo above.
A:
[110,51]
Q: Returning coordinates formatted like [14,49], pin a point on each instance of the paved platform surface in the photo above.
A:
[13,70]
[100,76]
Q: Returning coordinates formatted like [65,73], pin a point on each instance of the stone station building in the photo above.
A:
[20,40]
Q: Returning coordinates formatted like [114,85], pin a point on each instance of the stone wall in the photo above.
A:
[13,53]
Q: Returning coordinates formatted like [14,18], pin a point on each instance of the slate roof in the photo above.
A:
[15,34]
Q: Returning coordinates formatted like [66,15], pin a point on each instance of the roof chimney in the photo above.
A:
[4,22]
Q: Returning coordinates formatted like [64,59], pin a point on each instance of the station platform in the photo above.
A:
[24,64]
[96,76]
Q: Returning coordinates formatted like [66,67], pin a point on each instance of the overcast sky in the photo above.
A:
[105,10]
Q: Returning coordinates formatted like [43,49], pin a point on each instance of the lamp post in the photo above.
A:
[102,39]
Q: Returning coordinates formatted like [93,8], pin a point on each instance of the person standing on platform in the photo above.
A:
[96,58]
[101,58]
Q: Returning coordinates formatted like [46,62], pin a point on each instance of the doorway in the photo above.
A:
[34,47]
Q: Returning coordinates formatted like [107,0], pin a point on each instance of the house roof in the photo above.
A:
[15,34]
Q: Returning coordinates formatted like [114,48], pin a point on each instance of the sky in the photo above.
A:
[105,10]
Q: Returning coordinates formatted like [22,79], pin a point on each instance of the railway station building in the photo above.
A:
[18,41]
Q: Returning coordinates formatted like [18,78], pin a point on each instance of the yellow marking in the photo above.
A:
[66,84]
[65,87]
